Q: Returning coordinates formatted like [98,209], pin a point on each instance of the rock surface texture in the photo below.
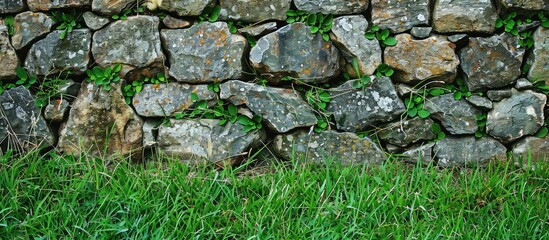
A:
[400,15]
[29,26]
[45,5]
[539,59]
[254,11]
[332,6]
[456,116]
[464,16]
[8,56]
[468,151]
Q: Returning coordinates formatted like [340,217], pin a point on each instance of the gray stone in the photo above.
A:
[522,6]
[480,102]
[355,109]
[29,26]
[257,30]
[524,84]
[110,7]
[348,36]
[517,116]
[204,53]
[468,151]
[100,122]
[293,51]
[422,153]
[404,89]
[343,148]
[21,125]
[12,6]
[69,90]
[161,100]
[56,110]
[254,11]
[464,16]
[53,55]
[337,7]
[45,5]
[93,21]
[492,62]
[498,95]
[150,133]
[406,132]
[8,56]
[539,69]
[421,32]
[134,43]
[185,7]
[457,116]
[400,15]
[430,59]
[282,109]
[531,148]
[458,38]
[201,140]
[173,23]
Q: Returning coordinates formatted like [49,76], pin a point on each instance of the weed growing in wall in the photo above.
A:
[516,25]
[129,90]
[210,14]
[383,36]
[233,28]
[481,122]
[104,76]
[123,15]
[9,21]
[67,21]
[318,22]
[437,130]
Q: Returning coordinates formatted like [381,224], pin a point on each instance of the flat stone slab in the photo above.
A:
[400,16]
[337,7]
[45,5]
[254,11]
[406,132]
[464,16]
[456,116]
[29,26]
[468,151]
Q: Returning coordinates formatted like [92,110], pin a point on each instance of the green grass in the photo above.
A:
[58,197]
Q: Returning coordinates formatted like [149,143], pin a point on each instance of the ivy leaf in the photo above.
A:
[391,41]
[423,113]
[542,132]
[232,109]
[370,35]
[21,73]
[412,112]
[457,95]
[435,128]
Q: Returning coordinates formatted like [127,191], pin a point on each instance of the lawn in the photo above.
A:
[60,197]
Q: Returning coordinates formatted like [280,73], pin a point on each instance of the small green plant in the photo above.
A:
[544,130]
[67,21]
[383,36]
[6,86]
[49,88]
[362,80]
[210,14]
[129,90]
[512,23]
[460,89]
[540,85]
[104,76]
[214,86]
[234,26]
[26,79]
[481,122]
[126,12]
[437,130]
[9,21]
[415,103]
[318,22]
[319,99]
[384,70]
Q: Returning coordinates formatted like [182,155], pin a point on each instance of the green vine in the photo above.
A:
[318,22]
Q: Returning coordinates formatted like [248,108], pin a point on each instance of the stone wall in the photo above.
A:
[449,82]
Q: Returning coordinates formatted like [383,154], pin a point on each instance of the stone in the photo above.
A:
[205,53]
[458,38]
[185,7]
[46,5]
[498,95]
[430,59]
[295,52]
[517,116]
[400,15]
[94,22]
[150,133]
[522,6]
[467,16]
[422,153]
[21,125]
[468,151]
[336,7]
[539,69]
[8,56]
[53,55]
[480,102]
[406,132]
[171,22]
[348,36]
[524,84]
[12,6]
[491,63]
[282,109]
[101,123]
[356,109]
[28,27]
[343,148]
[165,100]
[203,140]
[110,7]
[536,148]
[258,30]
[56,110]
[134,43]
[69,89]
[421,32]
[254,11]
[456,116]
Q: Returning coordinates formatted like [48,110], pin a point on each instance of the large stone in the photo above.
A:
[419,60]
[468,151]
[52,55]
[21,125]
[12,6]
[464,16]
[406,132]
[8,57]
[134,43]
[539,59]
[490,63]
[204,53]
[110,7]
[457,116]
[343,148]
[200,140]
[282,109]
[45,5]
[517,116]
[523,6]
[338,7]
[93,21]
[254,11]
[29,26]
[184,7]
[294,51]
[174,23]
[533,148]
[356,109]
[100,122]
[348,36]
[400,15]
[162,100]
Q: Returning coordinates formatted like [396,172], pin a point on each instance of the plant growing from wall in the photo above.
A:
[544,130]
[210,14]
[9,21]
[383,36]
[318,22]
[129,90]
[512,24]
[437,130]
[123,15]
[49,88]
[67,21]
[384,70]
[319,99]
[233,28]
[460,90]
[26,79]
[104,76]
[481,122]
[362,80]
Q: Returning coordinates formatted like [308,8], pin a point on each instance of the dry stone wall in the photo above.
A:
[451,83]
